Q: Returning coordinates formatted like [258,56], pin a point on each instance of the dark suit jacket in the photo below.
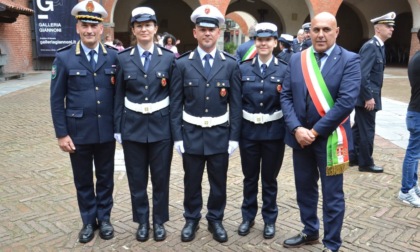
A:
[372,62]
[284,56]
[258,89]
[201,97]
[88,95]
[140,86]
[243,48]
[341,73]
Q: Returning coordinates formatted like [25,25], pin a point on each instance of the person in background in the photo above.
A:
[206,116]
[319,93]
[169,43]
[410,190]
[82,98]
[298,40]
[247,50]
[262,136]
[142,122]
[307,42]
[373,60]
[118,44]
[285,44]
[108,40]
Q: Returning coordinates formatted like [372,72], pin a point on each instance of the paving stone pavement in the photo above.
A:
[39,212]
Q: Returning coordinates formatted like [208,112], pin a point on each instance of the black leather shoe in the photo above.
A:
[188,232]
[87,233]
[218,231]
[143,232]
[269,230]
[300,240]
[353,163]
[245,227]
[159,233]
[371,168]
[106,230]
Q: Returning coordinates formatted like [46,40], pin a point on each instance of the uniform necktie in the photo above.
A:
[263,69]
[146,55]
[92,59]
[207,66]
[318,57]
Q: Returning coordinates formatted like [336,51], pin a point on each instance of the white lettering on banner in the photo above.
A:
[49,7]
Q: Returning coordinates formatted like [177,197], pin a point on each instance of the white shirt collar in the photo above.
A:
[87,49]
[381,43]
[267,63]
[327,52]
[202,53]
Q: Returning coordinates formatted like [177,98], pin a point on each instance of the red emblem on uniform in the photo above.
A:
[207,10]
[90,7]
[163,82]
[223,92]
[279,88]
[113,80]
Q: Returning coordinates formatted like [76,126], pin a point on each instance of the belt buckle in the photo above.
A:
[206,122]
[146,108]
[259,118]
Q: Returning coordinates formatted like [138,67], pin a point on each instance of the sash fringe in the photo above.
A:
[337,169]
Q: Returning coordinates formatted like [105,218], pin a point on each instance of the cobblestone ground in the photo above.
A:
[39,212]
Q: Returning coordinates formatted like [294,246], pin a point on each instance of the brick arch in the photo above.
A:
[317,6]
[222,5]
[240,21]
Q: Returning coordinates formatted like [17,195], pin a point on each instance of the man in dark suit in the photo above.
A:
[317,100]
[247,50]
[83,79]
[142,122]
[206,114]
[372,56]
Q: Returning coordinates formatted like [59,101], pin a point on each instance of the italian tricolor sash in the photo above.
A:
[337,145]
[252,51]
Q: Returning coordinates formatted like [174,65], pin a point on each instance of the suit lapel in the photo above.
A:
[217,65]
[332,60]
[83,60]
[197,63]
[135,58]
[256,69]
[154,59]
[101,58]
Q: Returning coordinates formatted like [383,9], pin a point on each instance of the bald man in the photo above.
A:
[318,128]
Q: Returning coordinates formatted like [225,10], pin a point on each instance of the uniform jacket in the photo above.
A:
[285,56]
[372,62]
[88,94]
[261,94]
[140,87]
[243,48]
[341,73]
[201,97]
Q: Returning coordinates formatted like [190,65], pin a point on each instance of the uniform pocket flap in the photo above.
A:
[222,83]
[77,113]
[191,83]
[276,79]
[110,71]
[161,75]
[248,78]
[130,76]
[76,72]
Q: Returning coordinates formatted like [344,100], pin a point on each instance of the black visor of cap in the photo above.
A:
[207,22]
[266,33]
[143,18]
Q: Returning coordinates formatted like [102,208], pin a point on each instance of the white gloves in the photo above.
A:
[179,147]
[233,145]
[117,137]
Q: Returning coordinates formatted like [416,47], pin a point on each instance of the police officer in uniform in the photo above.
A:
[262,136]
[285,44]
[206,115]
[307,36]
[142,122]
[82,100]
[372,61]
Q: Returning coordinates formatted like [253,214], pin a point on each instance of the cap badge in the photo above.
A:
[207,10]
[90,7]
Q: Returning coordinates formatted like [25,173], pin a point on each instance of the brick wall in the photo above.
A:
[16,42]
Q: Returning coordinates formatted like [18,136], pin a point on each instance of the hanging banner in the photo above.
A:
[55,27]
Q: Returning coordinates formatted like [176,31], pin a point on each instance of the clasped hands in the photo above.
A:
[305,136]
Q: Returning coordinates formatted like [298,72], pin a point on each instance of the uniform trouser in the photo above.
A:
[138,157]
[94,205]
[217,166]
[310,165]
[265,157]
[363,135]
